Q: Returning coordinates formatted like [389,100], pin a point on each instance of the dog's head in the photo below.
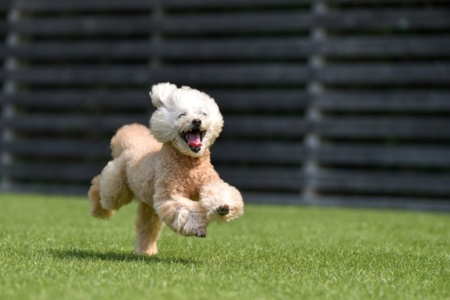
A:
[185,117]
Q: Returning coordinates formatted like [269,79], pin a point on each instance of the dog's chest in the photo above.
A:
[185,176]
[190,184]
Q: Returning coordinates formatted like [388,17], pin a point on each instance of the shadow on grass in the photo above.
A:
[116,256]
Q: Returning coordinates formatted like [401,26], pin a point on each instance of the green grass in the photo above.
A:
[50,248]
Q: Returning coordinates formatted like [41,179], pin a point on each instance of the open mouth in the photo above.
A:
[193,139]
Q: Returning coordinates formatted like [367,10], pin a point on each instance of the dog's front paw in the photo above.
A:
[195,225]
[223,210]
[189,222]
[200,232]
[221,201]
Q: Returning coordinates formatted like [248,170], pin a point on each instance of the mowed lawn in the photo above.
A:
[50,248]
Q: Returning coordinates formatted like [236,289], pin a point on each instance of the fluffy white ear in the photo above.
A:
[161,92]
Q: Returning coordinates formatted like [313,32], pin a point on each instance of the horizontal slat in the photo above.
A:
[426,101]
[266,48]
[51,171]
[412,156]
[239,22]
[45,147]
[84,50]
[385,127]
[268,153]
[251,51]
[260,178]
[403,19]
[287,21]
[261,100]
[61,123]
[387,47]
[238,74]
[386,73]
[193,49]
[273,127]
[120,5]
[383,182]
[79,99]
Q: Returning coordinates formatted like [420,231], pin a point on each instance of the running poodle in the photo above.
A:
[168,169]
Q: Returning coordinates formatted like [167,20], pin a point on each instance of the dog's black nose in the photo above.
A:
[197,122]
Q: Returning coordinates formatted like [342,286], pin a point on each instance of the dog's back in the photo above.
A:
[135,137]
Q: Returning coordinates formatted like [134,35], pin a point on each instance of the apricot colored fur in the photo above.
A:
[174,182]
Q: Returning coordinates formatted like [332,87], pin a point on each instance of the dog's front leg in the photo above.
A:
[184,216]
[221,201]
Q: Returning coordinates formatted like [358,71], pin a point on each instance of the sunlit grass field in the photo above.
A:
[50,248]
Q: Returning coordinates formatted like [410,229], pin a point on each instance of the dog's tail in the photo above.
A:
[133,136]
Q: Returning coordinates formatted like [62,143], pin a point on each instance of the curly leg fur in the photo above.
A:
[184,216]
[148,229]
[221,201]
[109,190]
[94,195]
[114,192]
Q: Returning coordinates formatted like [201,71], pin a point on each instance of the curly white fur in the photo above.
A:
[176,108]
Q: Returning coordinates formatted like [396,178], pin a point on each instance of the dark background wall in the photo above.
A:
[341,102]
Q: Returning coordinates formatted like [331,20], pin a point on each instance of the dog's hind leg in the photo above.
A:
[94,196]
[114,190]
[148,229]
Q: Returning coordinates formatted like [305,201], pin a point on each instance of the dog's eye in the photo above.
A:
[182,115]
[204,114]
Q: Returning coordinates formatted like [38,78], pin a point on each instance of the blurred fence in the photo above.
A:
[338,102]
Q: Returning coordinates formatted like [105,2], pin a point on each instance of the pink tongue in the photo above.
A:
[194,140]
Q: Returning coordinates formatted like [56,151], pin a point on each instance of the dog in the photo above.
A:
[168,170]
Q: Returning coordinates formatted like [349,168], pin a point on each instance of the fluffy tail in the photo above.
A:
[133,136]
[94,195]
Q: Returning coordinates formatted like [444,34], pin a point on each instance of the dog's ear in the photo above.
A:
[161,92]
